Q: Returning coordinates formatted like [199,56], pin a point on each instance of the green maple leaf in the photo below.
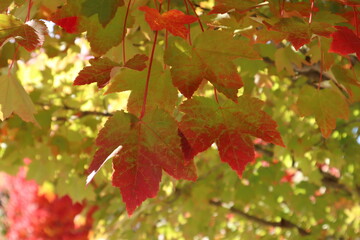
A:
[14,99]
[102,39]
[209,58]
[326,105]
[285,58]
[161,92]
[105,9]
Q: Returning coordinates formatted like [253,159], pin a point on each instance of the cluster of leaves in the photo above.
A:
[191,77]
[36,213]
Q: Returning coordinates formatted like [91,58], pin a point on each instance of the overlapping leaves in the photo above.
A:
[207,59]
[142,147]
[30,35]
[148,146]
[99,23]
[100,70]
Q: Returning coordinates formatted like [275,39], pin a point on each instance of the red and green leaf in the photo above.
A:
[161,92]
[98,72]
[299,32]
[30,35]
[149,146]
[230,125]
[207,59]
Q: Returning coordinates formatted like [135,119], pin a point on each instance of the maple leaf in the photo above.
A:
[30,35]
[69,18]
[206,122]
[224,6]
[173,21]
[69,24]
[354,3]
[105,9]
[102,39]
[285,58]
[100,70]
[208,59]
[13,98]
[149,146]
[138,62]
[300,9]
[161,92]
[299,32]
[344,42]
[4,4]
[345,77]
[325,104]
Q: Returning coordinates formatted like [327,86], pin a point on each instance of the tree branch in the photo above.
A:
[286,224]
[78,114]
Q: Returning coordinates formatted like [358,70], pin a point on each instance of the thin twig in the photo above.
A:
[285,224]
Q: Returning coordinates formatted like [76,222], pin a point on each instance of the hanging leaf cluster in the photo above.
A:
[184,66]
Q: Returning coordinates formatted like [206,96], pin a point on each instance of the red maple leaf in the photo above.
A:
[345,42]
[138,62]
[206,122]
[100,70]
[148,146]
[69,24]
[30,35]
[173,21]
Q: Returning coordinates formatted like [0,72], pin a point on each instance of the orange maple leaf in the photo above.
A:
[173,21]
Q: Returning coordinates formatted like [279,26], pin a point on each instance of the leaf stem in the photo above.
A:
[321,64]
[311,11]
[187,12]
[282,7]
[13,60]
[216,95]
[166,33]
[155,3]
[197,16]
[27,18]
[356,20]
[148,77]
[124,31]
